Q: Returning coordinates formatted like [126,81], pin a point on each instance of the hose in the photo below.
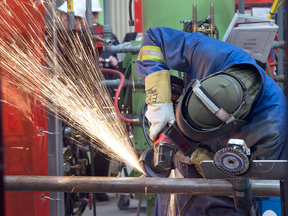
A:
[143,123]
[117,95]
[272,11]
[131,21]
[123,91]
[278,6]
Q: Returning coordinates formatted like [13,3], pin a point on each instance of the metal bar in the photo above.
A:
[241,6]
[128,83]
[187,205]
[107,27]
[2,206]
[89,12]
[56,139]
[284,197]
[122,48]
[280,38]
[212,20]
[194,19]
[83,184]
[70,10]
[92,152]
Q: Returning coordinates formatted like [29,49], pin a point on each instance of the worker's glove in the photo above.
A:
[198,156]
[160,109]
[159,115]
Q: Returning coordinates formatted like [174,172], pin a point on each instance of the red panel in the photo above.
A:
[138,16]
[25,149]
[256,1]
[99,45]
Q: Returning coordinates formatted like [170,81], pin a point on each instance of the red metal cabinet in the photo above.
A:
[25,149]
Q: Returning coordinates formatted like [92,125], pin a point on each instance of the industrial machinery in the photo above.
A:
[233,161]
[206,26]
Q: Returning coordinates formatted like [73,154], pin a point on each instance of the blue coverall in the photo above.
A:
[199,56]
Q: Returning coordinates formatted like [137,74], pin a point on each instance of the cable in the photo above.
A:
[143,123]
[272,11]
[123,92]
[118,93]
[268,70]
[279,5]
[131,21]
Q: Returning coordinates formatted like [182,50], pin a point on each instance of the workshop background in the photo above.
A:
[34,142]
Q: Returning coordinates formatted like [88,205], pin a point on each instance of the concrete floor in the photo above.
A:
[110,208]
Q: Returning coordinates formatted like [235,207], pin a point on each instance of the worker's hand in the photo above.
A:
[113,61]
[159,115]
[101,60]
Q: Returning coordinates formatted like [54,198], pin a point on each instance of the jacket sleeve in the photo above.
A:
[193,53]
[164,49]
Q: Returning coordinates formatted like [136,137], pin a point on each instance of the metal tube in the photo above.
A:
[70,10]
[127,83]
[278,44]
[241,6]
[212,20]
[194,19]
[187,205]
[92,151]
[107,27]
[121,48]
[284,197]
[89,12]
[135,185]
[280,38]
[57,138]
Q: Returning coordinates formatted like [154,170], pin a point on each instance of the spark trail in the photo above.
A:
[72,88]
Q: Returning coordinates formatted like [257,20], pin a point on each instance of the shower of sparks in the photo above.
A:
[172,203]
[68,84]
[171,210]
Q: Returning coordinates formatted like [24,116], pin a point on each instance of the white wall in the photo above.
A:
[119,17]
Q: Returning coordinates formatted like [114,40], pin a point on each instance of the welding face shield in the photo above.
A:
[212,107]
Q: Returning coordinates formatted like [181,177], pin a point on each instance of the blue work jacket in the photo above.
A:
[199,56]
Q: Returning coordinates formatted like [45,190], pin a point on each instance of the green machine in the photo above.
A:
[169,13]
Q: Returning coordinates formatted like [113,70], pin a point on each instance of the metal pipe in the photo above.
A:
[284,197]
[89,12]
[121,48]
[212,20]
[194,19]
[92,151]
[279,78]
[128,83]
[280,38]
[241,6]
[58,208]
[107,27]
[98,38]
[187,205]
[70,10]
[278,44]
[83,184]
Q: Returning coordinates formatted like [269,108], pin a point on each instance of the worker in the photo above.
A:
[230,78]
[79,14]
[108,57]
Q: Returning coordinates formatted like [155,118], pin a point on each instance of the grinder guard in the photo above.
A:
[147,164]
